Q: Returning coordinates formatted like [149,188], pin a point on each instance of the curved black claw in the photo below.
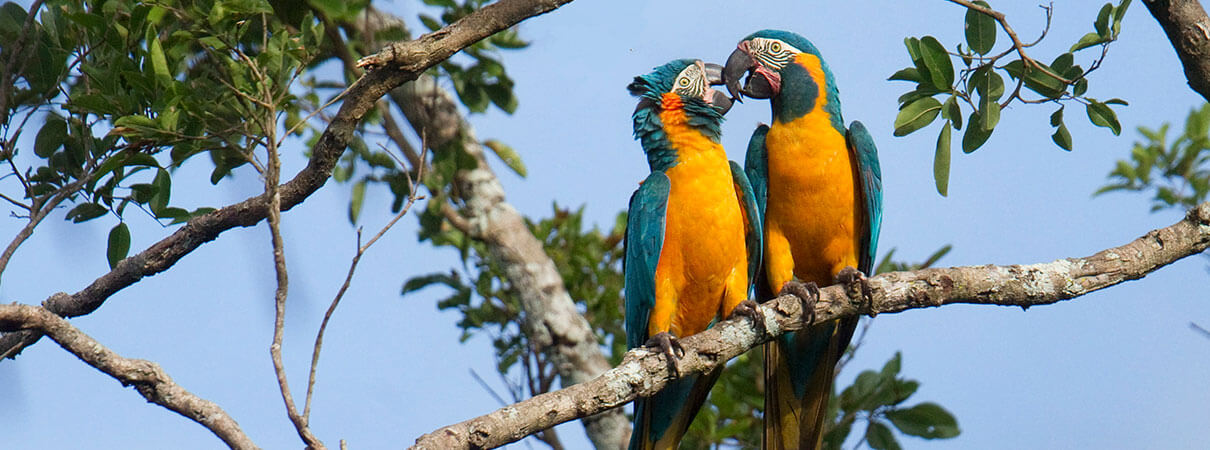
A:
[751,310]
[807,293]
[857,288]
[666,343]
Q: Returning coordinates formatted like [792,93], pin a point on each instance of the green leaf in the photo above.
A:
[989,113]
[1062,137]
[159,64]
[879,436]
[916,115]
[980,30]
[50,137]
[1102,116]
[501,94]
[507,155]
[952,111]
[359,196]
[1116,101]
[1102,23]
[1088,40]
[119,244]
[1056,117]
[907,74]
[941,161]
[86,211]
[1062,63]
[975,136]
[987,83]
[926,420]
[163,191]
[1120,11]
[941,69]
[892,366]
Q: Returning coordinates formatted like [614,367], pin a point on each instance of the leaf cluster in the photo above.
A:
[119,82]
[979,87]
[1177,172]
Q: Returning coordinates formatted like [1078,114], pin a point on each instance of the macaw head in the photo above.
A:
[762,56]
[682,83]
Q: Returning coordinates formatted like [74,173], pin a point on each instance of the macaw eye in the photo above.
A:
[684,82]
[775,47]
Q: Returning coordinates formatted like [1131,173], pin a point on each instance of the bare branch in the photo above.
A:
[643,373]
[361,250]
[147,377]
[359,99]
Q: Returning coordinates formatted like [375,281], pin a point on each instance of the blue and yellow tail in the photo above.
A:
[660,421]
[798,382]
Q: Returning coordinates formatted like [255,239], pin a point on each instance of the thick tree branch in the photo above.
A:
[147,377]
[552,321]
[410,60]
[1188,29]
[642,373]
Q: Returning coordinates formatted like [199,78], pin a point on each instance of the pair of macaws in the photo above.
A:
[703,235]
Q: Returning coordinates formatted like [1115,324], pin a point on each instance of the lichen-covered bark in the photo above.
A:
[642,373]
[147,377]
[552,320]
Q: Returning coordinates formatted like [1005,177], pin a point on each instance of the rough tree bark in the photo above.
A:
[551,318]
[1188,29]
[642,373]
[148,378]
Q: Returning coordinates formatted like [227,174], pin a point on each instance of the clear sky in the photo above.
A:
[1115,369]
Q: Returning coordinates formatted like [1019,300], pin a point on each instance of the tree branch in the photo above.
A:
[410,60]
[643,373]
[1188,29]
[147,377]
[552,321]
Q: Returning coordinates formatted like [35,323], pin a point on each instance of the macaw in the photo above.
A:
[692,240]
[818,188]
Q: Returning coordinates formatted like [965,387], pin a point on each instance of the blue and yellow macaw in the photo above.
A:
[692,237]
[819,191]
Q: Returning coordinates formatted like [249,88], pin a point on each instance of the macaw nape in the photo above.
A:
[818,187]
[692,237]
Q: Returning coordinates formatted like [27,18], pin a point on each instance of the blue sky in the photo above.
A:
[1116,369]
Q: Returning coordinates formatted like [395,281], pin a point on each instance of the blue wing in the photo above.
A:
[643,242]
[869,180]
[753,228]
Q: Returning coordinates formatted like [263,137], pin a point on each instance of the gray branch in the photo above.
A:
[147,377]
[643,373]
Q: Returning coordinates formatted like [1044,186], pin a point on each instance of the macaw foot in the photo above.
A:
[808,295]
[857,288]
[666,343]
[751,310]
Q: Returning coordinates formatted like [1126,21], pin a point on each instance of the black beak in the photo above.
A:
[720,101]
[714,74]
[738,64]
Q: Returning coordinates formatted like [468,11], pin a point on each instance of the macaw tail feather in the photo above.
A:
[660,421]
[798,382]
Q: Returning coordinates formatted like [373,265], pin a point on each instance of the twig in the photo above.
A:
[361,249]
[147,377]
[1198,328]
[37,213]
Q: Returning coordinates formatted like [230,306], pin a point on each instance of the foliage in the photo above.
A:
[117,83]
[980,87]
[1177,172]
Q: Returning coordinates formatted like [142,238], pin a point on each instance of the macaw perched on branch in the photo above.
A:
[692,237]
[819,191]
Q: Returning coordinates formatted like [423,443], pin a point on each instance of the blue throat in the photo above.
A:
[649,130]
